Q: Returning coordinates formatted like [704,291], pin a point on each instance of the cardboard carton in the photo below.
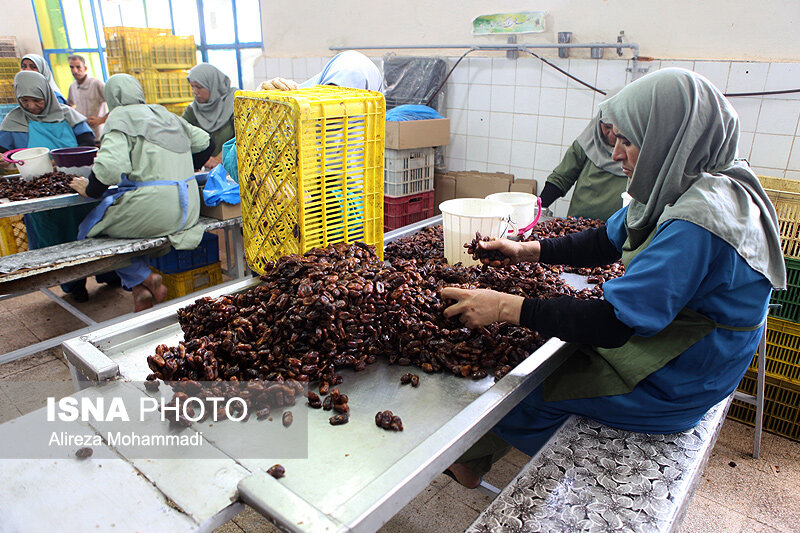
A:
[221,211]
[474,184]
[407,134]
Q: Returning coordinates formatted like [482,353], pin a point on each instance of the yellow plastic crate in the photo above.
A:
[178,108]
[785,196]
[164,87]
[13,237]
[7,92]
[136,49]
[174,52]
[783,350]
[310,169]
[9,66]
[184,283]
[781,406]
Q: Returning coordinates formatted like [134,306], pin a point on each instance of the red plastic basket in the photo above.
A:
[405,210]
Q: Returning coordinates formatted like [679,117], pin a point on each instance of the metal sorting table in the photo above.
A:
[355,478]
[35,205]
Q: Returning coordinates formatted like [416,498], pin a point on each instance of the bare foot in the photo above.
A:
[464,475]
[142,298]
[154,284]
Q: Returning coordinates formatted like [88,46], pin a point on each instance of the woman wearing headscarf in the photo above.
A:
[588,166]
[37,63]
[148,152]
[212,108]
[40,121]
[346,69]
[676,333]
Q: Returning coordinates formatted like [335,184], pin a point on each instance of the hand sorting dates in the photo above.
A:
[50,184]
[493,258]
[342,307]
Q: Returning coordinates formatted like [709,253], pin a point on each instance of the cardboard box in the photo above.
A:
[407,134]
[474,184]
[521,185]
[221,211]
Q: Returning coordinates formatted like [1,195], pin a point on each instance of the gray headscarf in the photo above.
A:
[597,150]
[33,84]
[688,133]
[128,113]
[215,113]
[43,68]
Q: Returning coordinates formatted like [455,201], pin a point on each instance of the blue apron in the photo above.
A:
[56,226]
[126,185]
[51,135]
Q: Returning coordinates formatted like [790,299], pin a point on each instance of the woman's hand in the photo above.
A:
[518,252]
[79,185]
[280,84]
[213,161]
[481,307]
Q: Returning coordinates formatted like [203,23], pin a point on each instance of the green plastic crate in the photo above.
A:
[790,298]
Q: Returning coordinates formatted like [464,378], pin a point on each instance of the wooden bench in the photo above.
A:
[589,476]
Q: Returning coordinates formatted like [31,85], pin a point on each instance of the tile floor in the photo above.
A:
[736,494]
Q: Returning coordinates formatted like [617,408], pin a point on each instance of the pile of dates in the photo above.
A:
[50,184]
[342,307]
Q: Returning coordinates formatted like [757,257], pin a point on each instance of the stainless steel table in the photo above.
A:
[35,205]
[357,476]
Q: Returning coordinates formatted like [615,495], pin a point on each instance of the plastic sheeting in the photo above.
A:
[412,80]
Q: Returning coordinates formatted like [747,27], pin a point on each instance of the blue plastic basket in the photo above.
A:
[182,260]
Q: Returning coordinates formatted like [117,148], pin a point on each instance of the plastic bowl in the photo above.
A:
[77,160]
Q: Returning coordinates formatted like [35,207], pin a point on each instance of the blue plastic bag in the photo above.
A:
[220,188]
[411,112]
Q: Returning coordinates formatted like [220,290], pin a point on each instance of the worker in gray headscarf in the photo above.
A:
[212,107]
[148,152]
[36,63]
[700,242]
[588,166]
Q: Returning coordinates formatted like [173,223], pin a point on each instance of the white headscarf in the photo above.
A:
[44,70]
[215,113]
[688,133]
[33,84]
[349,69]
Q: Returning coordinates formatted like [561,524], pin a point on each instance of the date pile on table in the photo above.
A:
[50,184]
[342,307]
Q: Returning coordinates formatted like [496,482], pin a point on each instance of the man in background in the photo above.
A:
[86,95]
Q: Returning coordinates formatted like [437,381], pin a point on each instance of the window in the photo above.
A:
[227,32]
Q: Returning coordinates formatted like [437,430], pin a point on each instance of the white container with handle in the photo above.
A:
[463,217]
[31,162]
[526,209]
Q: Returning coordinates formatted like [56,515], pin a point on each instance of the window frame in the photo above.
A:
[203,47]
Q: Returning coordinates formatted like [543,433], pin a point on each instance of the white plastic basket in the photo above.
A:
[408,171]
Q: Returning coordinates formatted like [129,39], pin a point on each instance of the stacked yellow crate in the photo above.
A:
[157,58]
[782,391]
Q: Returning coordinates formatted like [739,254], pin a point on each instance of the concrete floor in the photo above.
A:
[736,494]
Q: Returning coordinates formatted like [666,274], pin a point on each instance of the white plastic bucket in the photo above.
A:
[463,217]
[523,206]
[31,162]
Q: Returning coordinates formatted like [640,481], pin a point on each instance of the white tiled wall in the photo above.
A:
[519,116]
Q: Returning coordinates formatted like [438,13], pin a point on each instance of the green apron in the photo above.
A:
[590,372]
